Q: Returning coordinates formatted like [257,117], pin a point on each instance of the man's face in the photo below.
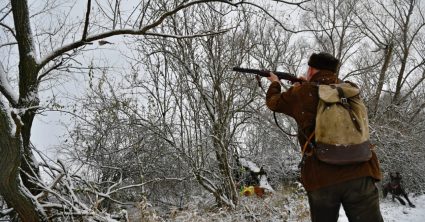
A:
[310,73]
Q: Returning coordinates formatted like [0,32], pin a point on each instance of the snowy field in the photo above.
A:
[285,205]
[395,212]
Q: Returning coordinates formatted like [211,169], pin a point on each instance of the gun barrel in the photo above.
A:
[265,73]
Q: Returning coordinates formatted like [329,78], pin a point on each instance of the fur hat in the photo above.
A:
[323,61]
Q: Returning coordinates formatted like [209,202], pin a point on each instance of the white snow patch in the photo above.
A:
[395,212]
[33,55]
[4,83]
[264,183]
[250,165]
[6,109]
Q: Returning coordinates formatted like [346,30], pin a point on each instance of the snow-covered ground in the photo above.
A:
[395,212]
[285,205]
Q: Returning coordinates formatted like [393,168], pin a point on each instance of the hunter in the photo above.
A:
[328,186]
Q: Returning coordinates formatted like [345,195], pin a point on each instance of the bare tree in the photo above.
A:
[111,145]
[396,32]
[57,47]
[335,20]
[393,72]
[380,29]
[193,90]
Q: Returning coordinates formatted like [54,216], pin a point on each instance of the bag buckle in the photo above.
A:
[344,101]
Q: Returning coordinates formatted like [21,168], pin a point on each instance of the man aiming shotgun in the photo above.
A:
[333,175]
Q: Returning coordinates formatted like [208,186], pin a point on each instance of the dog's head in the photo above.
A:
[395,177]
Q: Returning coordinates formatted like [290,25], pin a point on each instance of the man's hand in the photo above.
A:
[273,77]
[297,83]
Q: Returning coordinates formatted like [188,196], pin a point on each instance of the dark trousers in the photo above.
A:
[359,197]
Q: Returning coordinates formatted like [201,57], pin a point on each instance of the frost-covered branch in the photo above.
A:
[69,195]
[6,88]
[145,183]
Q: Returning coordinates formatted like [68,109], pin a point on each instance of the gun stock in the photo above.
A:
[266,73]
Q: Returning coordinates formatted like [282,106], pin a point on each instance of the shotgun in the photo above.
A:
[265,73]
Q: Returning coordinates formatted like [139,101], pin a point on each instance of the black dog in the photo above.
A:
[394,187]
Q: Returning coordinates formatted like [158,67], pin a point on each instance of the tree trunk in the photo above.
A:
[387,60]
[11,150]
[28,88]
[405,52]
[15,144]
[400,77]
[223,163]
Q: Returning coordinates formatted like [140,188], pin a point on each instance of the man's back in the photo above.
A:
[300,102]
[328,186]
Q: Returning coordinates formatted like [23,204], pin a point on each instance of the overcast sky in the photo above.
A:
[49,128]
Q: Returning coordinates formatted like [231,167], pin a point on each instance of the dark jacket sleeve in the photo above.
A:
[281,102]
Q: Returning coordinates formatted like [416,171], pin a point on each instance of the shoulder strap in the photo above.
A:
[347,106]
[308,143]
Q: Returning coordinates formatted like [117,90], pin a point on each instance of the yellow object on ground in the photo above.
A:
[247,191]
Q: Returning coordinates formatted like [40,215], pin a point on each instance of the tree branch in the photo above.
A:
[6,89]
[9,29]
[142,31]
[86,23]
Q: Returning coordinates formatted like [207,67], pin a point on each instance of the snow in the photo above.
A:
[250,165]
[6,109]
[262,178]
[32,54]
[4,83]
[395,212]
[264,183]
[287,204]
